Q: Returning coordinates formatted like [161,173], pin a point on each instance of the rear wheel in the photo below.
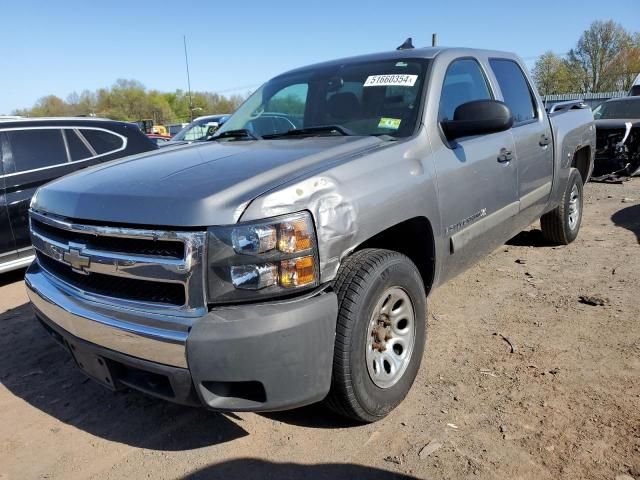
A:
[380,333]
[562,224]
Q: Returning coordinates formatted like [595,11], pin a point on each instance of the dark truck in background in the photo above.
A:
[265,270]
[34,151]
[618,137]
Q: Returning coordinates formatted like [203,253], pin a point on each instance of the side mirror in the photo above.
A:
[478,117]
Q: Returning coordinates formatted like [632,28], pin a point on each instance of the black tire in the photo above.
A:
[556,226]
[360,284]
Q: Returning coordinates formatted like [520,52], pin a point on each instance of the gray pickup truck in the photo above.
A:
[288,260]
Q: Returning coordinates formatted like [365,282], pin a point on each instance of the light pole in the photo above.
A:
[186,61]
[193,109]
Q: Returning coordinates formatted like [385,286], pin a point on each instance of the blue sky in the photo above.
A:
[57,47]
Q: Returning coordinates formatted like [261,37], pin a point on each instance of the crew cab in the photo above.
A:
[34,151]
[266,270]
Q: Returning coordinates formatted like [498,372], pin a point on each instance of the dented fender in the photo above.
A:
[352,201]
[335,215]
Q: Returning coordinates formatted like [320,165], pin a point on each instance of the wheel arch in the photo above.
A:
[582,161]
[415,239]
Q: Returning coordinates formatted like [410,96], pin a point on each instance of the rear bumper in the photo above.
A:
[257,357]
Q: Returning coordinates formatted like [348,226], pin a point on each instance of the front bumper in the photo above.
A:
[257,357]
[604,164]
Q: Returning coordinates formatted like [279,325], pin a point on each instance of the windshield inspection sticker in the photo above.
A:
[386,80]
[391,123]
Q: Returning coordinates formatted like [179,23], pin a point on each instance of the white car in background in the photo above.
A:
[200,130]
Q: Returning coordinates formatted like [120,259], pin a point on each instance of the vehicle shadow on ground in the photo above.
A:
[628,218]
[530,238]
[12,277]
[254,469]
[38,370]
[313,416]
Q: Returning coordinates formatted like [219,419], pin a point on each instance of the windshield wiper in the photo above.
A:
[239,133]
[312,131]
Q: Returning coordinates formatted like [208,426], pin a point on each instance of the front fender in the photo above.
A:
[359,198]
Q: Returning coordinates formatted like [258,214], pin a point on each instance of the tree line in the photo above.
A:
[129,100]
[605,58]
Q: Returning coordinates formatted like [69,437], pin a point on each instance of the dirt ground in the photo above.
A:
[565,404]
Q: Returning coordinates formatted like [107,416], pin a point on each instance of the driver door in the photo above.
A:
[476,176]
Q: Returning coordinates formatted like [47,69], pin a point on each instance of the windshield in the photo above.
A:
[371,98]
[624,109]
[199,130]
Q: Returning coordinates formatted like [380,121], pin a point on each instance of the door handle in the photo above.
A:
[505,156]
[544,140]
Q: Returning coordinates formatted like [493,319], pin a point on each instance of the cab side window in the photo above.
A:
[515,90]
[77,148]
[6,159]
[463,82]
[102,141]
[36,148]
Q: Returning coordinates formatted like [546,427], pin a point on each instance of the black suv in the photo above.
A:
[36,151]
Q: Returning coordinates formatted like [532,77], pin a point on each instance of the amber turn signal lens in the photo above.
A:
[295,236]
[297,272]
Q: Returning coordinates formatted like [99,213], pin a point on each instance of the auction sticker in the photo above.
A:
[390,123]
[399,80]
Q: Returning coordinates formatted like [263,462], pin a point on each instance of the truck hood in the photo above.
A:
[615,123]
[192,186]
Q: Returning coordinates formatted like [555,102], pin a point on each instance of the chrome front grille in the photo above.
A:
[154,270]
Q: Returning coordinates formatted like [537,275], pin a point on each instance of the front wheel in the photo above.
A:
[380,334]
[562,224]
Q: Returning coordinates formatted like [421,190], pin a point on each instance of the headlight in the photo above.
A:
[257,260]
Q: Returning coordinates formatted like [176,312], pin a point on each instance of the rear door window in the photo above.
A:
[77,148]
[515,89]
[102,141]
[36,148]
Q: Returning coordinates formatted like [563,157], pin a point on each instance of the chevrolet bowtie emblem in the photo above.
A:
[76,260]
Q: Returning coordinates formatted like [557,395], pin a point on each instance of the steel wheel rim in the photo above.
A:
[574,207]
[390,337]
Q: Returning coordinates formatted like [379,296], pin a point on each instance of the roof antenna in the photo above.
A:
[407,45]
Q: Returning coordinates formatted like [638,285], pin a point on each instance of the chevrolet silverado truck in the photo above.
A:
[288,260]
